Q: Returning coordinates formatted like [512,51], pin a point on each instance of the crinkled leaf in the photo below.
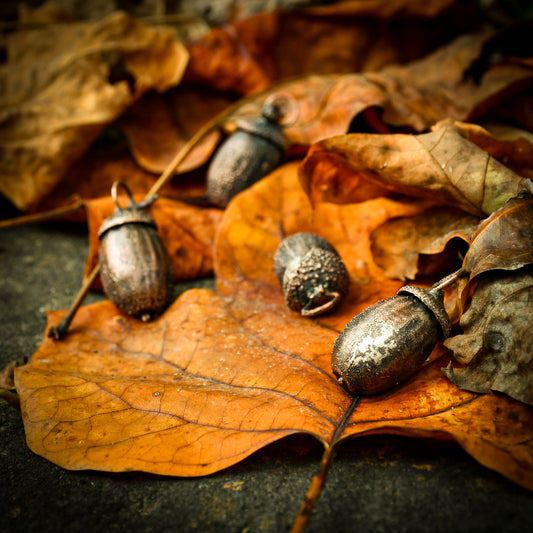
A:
[219,376]
[504,240]
[61,87]
[252,55]
[441,165]
[496,344]
[510,145]
[399,244]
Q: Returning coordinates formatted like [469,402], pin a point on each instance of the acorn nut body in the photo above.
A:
[256,148]
[311,273]
[390,340]
[136,270]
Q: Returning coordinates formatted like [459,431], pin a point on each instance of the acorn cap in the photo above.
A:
[433,299]
[128,215]
[265,126]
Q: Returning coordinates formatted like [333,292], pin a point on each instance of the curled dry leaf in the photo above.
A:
[218,376]
[509,145]
[158,126]
[187,232]
[399,245]
[441,165]
[61,87]
[496,344]
[504,240]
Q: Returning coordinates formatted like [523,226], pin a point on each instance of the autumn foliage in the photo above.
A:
[411,166]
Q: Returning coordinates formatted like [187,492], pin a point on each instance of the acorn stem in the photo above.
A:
[59,331]
[450,279]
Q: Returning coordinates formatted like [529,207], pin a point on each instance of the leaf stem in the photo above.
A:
[314,491]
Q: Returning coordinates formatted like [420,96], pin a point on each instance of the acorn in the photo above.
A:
[255,149]
[389,341]
[135,267]
[311,273]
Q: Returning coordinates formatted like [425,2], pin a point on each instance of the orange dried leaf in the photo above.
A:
[188,233]
[442,166]
[217,377]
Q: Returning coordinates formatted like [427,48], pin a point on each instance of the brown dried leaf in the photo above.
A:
[398,244]
[509,145]
[253,54]
[442,165]
[61,87]
[187,232]
[7,374]
[496,344]
[219,376]
[504,240]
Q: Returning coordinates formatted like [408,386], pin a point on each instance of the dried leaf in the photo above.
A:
[7,375]
[441,165]
[496,343]
[398,244]
[509,145]
[504,240]
[249,55]
[219,376]
[158,126]
[187,232]
[253,54]
[61,87]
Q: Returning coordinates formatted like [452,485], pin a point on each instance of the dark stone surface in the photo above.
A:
[376,484]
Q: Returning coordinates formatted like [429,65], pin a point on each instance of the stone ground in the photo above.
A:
[376,484]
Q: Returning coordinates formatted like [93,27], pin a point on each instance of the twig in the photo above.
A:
[43,216]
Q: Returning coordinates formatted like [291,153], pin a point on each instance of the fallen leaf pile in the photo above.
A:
[396,156]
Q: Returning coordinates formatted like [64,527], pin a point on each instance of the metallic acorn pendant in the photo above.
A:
[390,340]
[256,148]
[136,270]
[311,273]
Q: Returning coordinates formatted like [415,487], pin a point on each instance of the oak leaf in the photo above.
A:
[441,165]
[187,232]
[496,344]
[62,87]
[219,376]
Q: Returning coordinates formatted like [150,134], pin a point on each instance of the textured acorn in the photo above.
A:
[135,267]
[390,340]
[311,273]
[255,148]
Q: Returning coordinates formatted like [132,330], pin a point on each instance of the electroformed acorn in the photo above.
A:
[390,340]
[311,273]
[256,148]
[136,270]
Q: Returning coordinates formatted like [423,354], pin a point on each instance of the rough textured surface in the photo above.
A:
[377,483]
